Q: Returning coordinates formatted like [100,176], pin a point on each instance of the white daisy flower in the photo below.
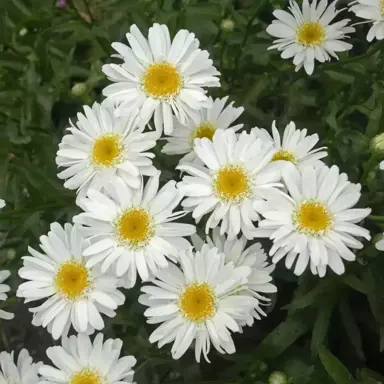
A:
[4,288]
[380,244]
[295,146]
[75,293]
[198,302]
[373,12]
[216,117]
[307,35]
[2,203]
[161,77]
[134,230]
[237,177]
[79,361]
[316,223]
[25,371]
[254,257]
[102,147]
[381,165]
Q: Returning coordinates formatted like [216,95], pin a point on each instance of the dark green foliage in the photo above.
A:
[319,331]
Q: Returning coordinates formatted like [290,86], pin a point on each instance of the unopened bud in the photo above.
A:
[278,378]
[79,89]
[23,32]
[377,144]
[227,25]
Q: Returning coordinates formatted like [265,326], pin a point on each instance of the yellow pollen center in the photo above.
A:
[107,150]
[311,33]
[232,184]
[205,129]
[382,7]
[86,377]
[72,279]
[197,302]
[284,155]
[135,228]
[312,218]
[162,81]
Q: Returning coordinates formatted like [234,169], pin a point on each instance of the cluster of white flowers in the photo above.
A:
[308,34]
[243,185]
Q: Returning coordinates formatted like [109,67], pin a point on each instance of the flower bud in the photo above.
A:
[23,32]
[278,378]
[377,144]
[227,25]
[79,89]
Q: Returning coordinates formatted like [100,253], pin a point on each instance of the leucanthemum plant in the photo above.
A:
[74,293]
[161,77]
[81,361]
[201,301]
[21,371]
[2,203]
[314,224]
[217,117]
[102,147]
[307,34]
[236,251]
[237,176]
[134,231]
[295,146]
[373,12]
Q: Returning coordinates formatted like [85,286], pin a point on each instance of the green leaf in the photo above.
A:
[352,328]
[321,326]
[335,369]
[282,337]
[309,298]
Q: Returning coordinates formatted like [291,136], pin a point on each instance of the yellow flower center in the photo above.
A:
[162,81]
[284,155]
[382,7]
[86,376]
[135,228]
[205,129]
[107,150]
[232,184]
[311,33]
[197,302]
[72,279]
[312,218]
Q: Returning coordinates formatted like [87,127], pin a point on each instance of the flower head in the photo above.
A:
[23,372]
[75,292]
[2,203]
[254,257]
[315,223]
[201,301]
[216,117]
[234,182]
[295,146]
[307,34]
[161,77]
[373,12]
[81,361]
[134,231]
[102,147]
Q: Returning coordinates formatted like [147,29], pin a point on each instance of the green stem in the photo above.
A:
[371,163]
[375,48]
[245,39]
[376,218]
